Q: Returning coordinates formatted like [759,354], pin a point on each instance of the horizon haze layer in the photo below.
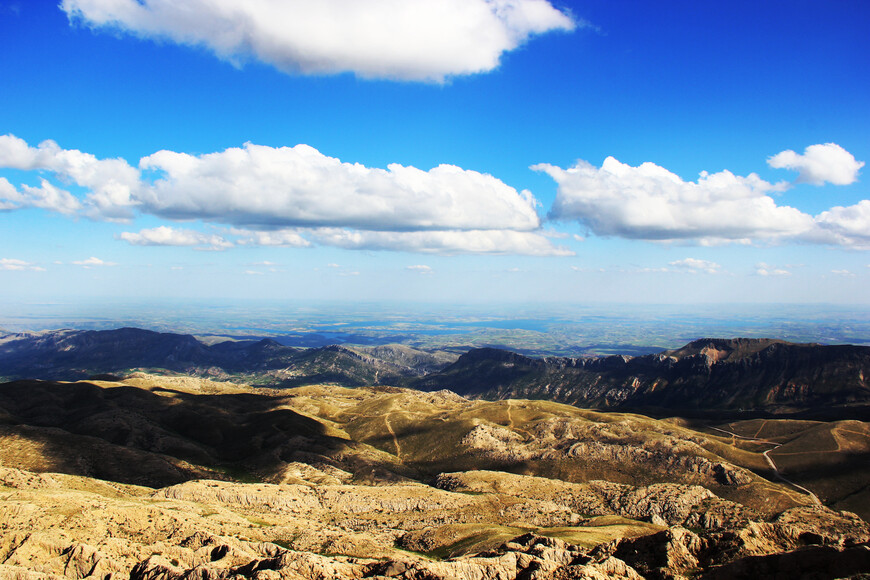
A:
[554,329]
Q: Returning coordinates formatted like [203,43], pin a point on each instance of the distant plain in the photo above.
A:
[530,328]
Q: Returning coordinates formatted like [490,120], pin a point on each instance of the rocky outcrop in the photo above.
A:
[663,504]
[839,545]
[600,444]
[673,553]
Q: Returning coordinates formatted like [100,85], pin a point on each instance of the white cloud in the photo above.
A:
[819,164]
[694,266]
[400,39]
[49,197]
[651,203]
[18,265]
[443,242]
[287,238]
[46,196]
[420,268]
[763,269]
[844,226]
[253,273]
[265,187]
[9,196]
[112,182]
[278,196]
[93,262]
[648,270]
[167,236]
[844,273]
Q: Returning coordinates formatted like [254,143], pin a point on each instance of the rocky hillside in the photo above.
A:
[711,374]
[155,477]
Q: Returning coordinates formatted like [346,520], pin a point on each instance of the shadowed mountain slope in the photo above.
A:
[710,374]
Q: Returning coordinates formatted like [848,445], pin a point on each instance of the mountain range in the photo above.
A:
[741,375]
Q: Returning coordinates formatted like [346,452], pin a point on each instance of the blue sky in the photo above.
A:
[443,150]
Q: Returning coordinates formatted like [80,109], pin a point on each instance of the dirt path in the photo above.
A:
[510,417]
[393,433]
[763,424]
[770,461]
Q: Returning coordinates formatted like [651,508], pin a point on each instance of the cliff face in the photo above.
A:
[736,374]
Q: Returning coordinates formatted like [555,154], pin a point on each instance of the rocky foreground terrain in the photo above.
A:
[153,477]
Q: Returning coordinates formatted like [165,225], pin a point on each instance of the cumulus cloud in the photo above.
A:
[844,273]
[420,268]
[694,266]
[46,196]
[649,202]
[49,197]
[299,186]
[281,197]
[426,40]
[844,226]
[288,238]
[763,269]
[167,236]
[819,164]
[18,265]
[443,242]
[112,183]
[9,196]
[93,262]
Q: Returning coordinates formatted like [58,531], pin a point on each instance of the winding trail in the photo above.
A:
[509,416]
[770,461]
[393,433]
[511,424]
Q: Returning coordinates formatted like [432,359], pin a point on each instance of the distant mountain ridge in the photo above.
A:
[721,374]
[739,374]
[75,354]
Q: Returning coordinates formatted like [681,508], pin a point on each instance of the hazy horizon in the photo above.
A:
[557,329]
